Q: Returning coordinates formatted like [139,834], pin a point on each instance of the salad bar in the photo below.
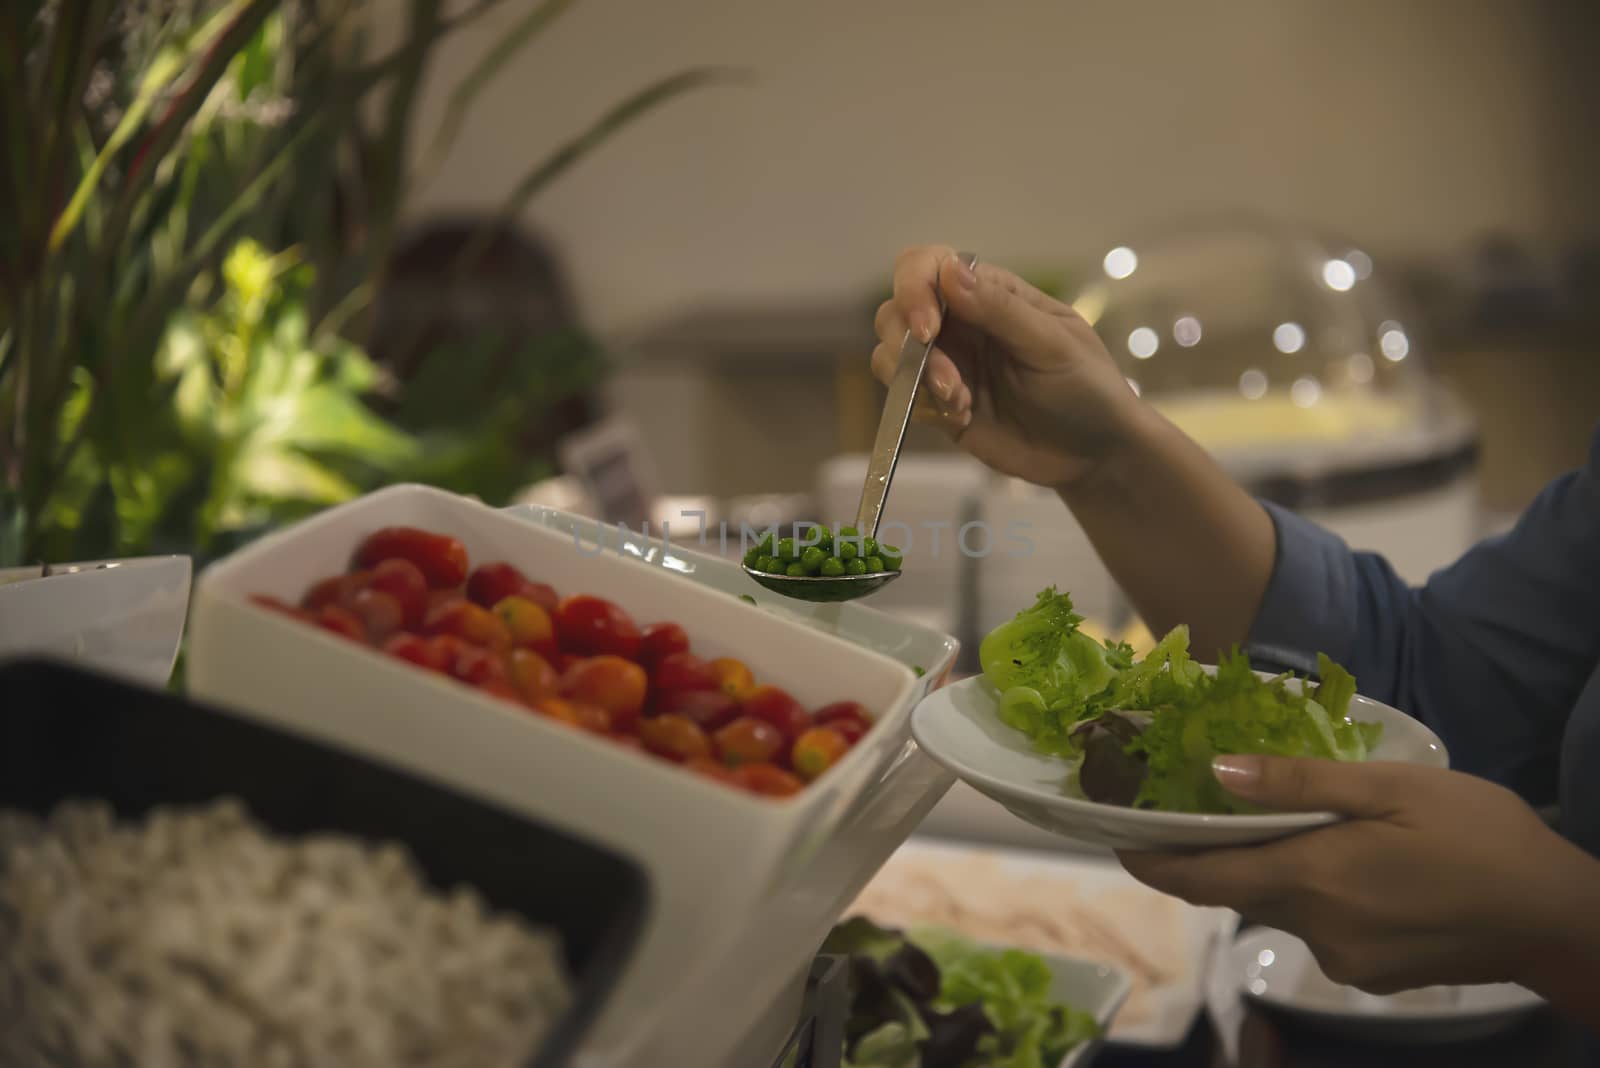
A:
[454,785]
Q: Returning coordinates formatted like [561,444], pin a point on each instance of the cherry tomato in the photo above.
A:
[675,737]
[748,741]
[849,718]
[503,690]
[476,666]
[470,623]
[683,671]
[817,750]
[779,709]
[709,708]
[591,626]
[711,769]
[337,589]
[416,649]
[528,624]
[403,580]
[532,674]
[733,676]
[379,612]
[441,558]
[661,640]
[563,662]
[578,714]
[630,741]
[851,730]
[492,583]
[612,683]
[768,780]
[341,621]
[274,604]
[443,650]
[440,598]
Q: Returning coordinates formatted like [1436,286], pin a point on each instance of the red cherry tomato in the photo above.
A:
[768,780]
[476,666]
[851,730]
[817,750]
[441,559]
[502,690]
[674,737]
[403,580]
[336,589]
[492,583]
[443,649]
[563,662]
[576,713]
[779,709]
[734,677]
[709,708]
[711,769]
[274,604]
[630,741]
[529,625]
[849,718]
[439,598]
[612,683]
[661,640]
[532,674]
[341,621]
[683,671]
[591,626]
[379,613]
[470,623]
[415,649]
[748,741]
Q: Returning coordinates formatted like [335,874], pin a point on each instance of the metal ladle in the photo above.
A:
[880,472]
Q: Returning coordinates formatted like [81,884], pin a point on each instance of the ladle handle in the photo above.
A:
[896,417]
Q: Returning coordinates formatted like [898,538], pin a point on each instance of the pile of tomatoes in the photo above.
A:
[578,659]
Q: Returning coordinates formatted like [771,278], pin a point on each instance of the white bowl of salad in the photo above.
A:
[1079,738]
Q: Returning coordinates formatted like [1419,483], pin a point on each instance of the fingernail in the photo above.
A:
[1237,770]
[966,275]
[943,387]
[925,329]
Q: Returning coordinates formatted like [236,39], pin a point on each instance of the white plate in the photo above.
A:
[720,863]
[1098,989]
[959,726]
[123,617]
[1277,970]
[1062,907]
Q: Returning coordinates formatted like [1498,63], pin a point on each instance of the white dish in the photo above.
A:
[123,617]
[1058,906]
[1098,989]
[1277,970]
[960,728]
[711,853]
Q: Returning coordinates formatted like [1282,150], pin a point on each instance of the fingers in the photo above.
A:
[944,400]
[916,288]
[1005,307]
[1245,880]
[1362,790]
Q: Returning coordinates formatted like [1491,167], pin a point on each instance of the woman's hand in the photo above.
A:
[1021,381]
[1435,877]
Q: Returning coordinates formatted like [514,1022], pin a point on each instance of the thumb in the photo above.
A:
[1305,784]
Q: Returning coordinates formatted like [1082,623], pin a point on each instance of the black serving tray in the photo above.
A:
[69,733]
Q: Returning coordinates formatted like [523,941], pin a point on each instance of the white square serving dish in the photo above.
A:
[713,855]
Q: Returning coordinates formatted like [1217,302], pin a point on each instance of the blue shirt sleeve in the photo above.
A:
[1491,653]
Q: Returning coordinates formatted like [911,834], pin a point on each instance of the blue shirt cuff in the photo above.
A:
[1310,603]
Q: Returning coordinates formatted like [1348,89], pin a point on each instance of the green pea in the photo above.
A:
[857,566]
[869,547]
[822,537]
[892,557]
[762,563]
[776,566]
[919,669]
[848,550]
[796,570]
[875,565]
[848,532]
[766,546]
[812,559]
[787,550]
[752,557]
[751,600]
[833,567]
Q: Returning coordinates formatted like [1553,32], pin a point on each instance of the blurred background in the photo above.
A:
[622,257]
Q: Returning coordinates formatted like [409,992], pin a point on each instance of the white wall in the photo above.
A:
[1029,130]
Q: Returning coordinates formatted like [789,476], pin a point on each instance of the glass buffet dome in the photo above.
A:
[1268,342]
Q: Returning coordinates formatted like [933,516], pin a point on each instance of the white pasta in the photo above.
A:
[197,940]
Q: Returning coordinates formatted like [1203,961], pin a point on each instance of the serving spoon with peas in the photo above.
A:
[913,362]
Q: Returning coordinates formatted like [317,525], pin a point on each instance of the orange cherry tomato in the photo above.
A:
[471,623]
[712,769]
[768,780]
[529,625]
[734,677]
[675,737]
[630,741]
[589,717]
[441,559]
[612,683]
[748,741]
[503,690]
[709,708]
[341,621]
[379,612]
[817,750]
[779,709]
[532,674]
[404,581]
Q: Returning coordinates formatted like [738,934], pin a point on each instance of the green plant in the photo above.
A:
[142,140]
